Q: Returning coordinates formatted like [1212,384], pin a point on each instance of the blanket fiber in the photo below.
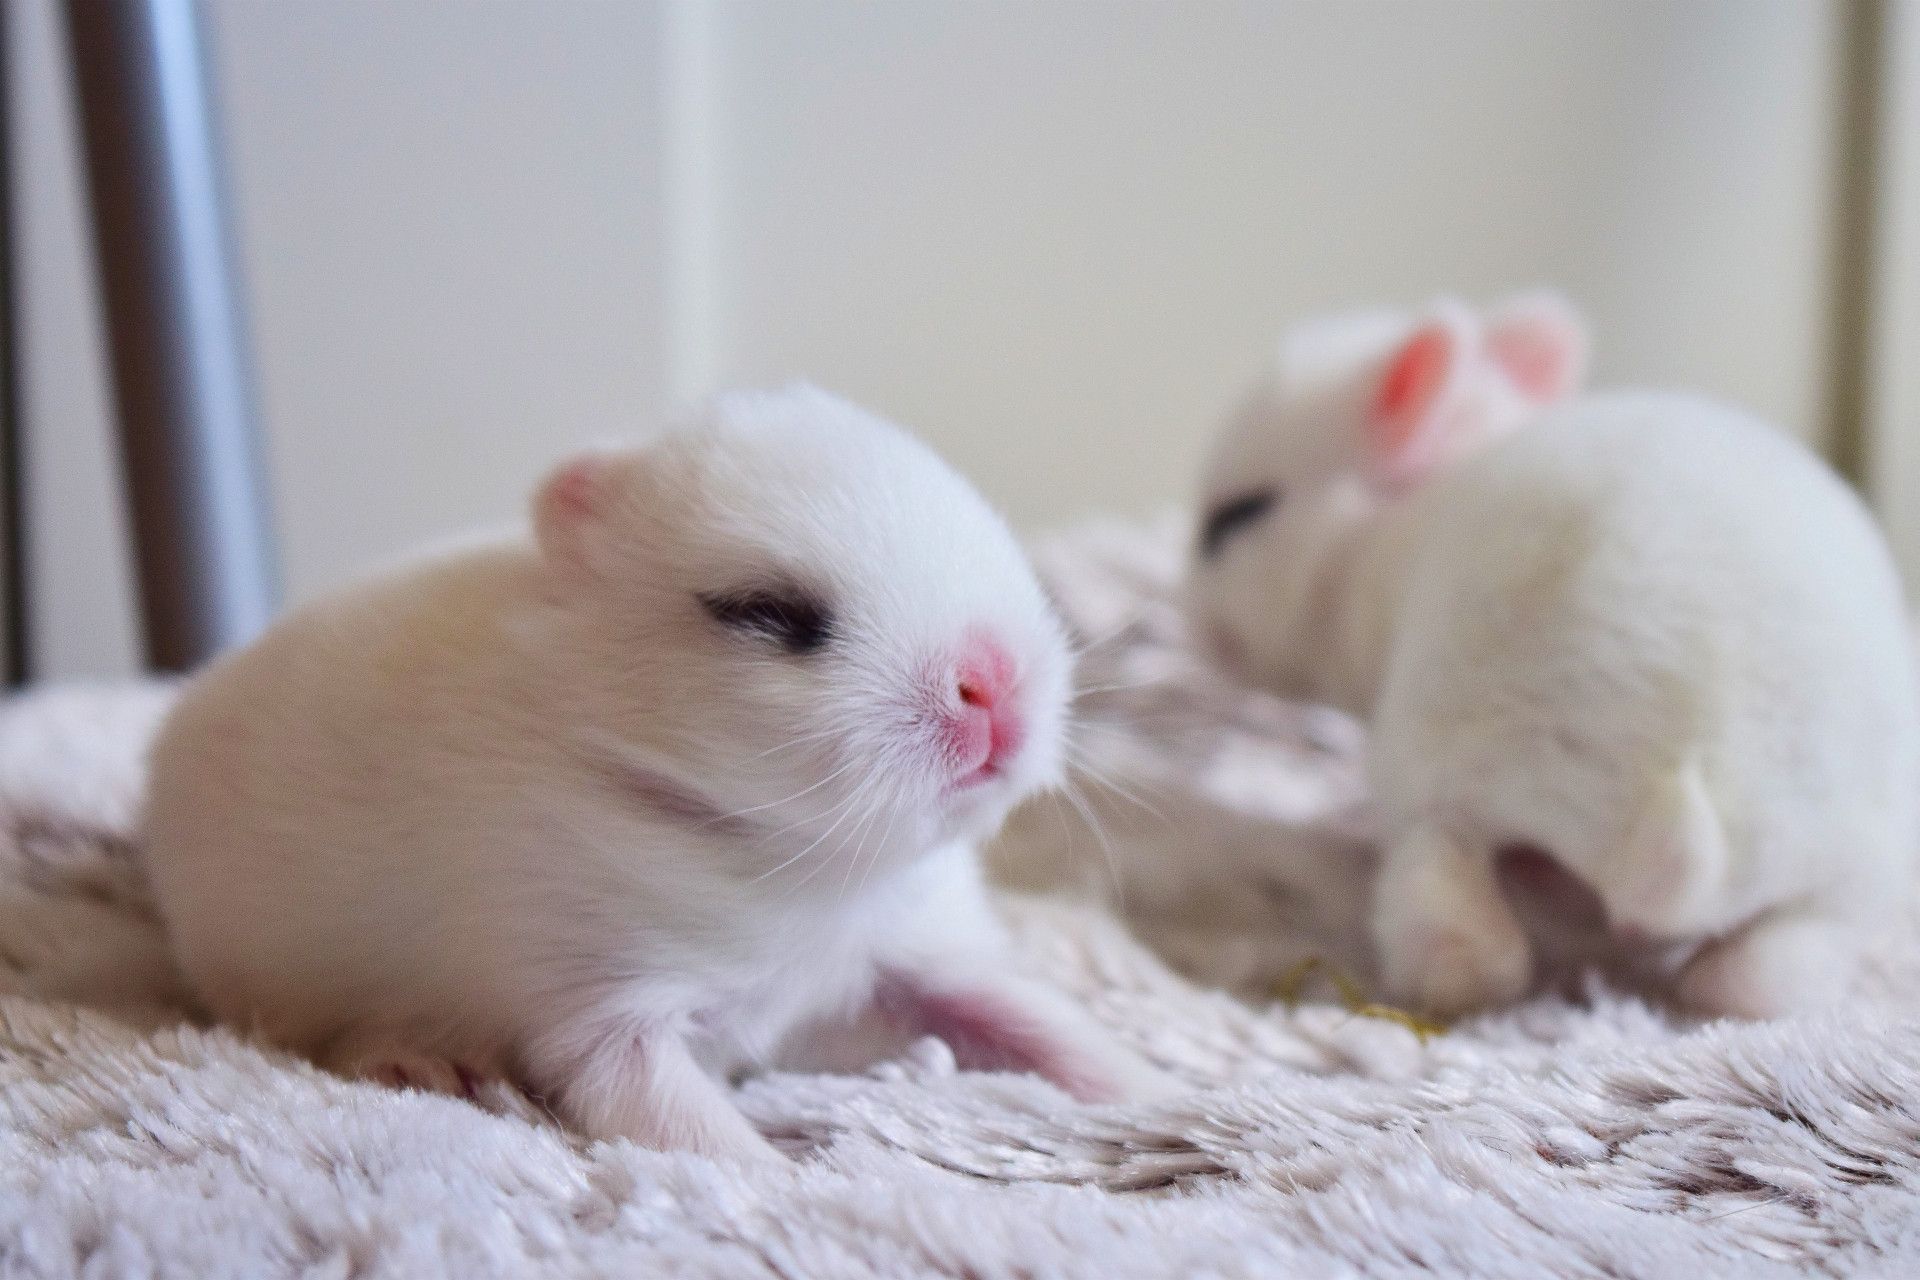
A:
[1587,1132]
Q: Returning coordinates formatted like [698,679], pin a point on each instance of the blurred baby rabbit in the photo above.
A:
[1642,634]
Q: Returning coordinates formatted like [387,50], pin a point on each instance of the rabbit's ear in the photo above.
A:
[1419,393]
[1540,341]
[575,504]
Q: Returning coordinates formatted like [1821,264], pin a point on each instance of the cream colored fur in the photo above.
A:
[530,806]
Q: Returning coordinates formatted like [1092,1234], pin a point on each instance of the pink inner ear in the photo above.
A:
[1541,345]
[574,490]
[1537,365]
[1410,393]
[568,503]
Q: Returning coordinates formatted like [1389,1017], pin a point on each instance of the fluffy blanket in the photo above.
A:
[1584,1133]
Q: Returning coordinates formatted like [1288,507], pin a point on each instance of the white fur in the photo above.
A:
[1644,634]
[528,806]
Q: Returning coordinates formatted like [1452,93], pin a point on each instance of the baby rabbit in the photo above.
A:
[688,781]
[1643,634]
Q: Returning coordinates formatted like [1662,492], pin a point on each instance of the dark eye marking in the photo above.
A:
[792,618]
[1231,516]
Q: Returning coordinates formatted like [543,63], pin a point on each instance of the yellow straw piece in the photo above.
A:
[1288,987]
[1423,1028]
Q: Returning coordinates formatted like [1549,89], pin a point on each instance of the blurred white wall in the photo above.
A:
[1059,237]
[1055,238]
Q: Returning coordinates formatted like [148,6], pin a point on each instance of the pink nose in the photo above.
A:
[980,691]
[987,731]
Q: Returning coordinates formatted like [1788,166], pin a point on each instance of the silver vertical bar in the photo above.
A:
[1856,245]
[190,447]
[13,525]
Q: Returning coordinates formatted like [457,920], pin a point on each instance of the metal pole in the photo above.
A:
[190,449]
[1856,243]
[13,523]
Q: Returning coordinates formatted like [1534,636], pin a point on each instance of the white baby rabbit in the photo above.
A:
[690,781]
[1643,634]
